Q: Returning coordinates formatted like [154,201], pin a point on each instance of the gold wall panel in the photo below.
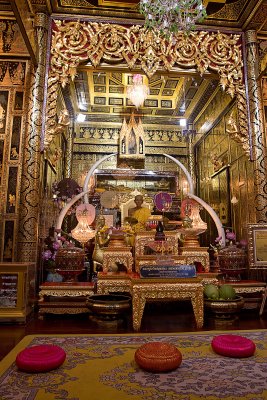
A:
[231,155]
[12,127]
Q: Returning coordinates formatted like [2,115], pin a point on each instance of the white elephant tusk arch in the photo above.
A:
[187,174]
[212,213]
[214,216]
[65,209]
[90,173]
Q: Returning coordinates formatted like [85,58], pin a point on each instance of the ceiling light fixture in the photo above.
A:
[138,91]
[82,232]
[171,16]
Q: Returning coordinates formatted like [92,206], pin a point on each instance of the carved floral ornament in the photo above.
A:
[74,42]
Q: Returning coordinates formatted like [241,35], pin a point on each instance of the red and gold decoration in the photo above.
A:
[135,45]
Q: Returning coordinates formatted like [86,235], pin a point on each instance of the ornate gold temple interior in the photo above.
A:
[68,129]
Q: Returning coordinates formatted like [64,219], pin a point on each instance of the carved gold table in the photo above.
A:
[154,289]
[167,289]
[64,297]
[117,255]
[199,254]
[252,291]
[144,238]
[111,282]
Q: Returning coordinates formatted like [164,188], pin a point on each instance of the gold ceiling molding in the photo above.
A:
[75,42]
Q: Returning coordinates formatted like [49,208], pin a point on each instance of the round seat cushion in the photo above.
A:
[158,357]
[41,358]
[233,346]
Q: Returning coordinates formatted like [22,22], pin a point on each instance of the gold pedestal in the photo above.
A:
[191,241]
[199,254]
[121,255]
[191,236]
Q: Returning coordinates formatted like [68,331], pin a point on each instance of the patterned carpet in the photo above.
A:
[103,368]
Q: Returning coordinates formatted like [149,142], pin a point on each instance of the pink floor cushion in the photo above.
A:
[40,358]
[158,357]
[233,346]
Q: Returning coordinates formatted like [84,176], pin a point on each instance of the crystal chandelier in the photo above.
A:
[138,91]
[171,16]
[82,232]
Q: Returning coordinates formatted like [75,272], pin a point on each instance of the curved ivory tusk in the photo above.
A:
[214,216]
[187,174]
[65,209]
[90,173]
[83,193]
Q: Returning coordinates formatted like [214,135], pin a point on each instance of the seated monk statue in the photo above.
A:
[139,213]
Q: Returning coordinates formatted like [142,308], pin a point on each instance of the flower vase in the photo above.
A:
[232,262]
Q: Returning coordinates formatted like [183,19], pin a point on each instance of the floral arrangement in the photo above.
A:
[51,246]
[230,237]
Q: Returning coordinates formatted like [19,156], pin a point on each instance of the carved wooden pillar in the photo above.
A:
[189,135]
[30,180]
[191,158]
[69,152]
[256,122]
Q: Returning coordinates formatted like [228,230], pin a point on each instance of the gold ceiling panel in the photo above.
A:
[230,13]
[101,92]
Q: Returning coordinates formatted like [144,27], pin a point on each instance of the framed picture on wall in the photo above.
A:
[257,245]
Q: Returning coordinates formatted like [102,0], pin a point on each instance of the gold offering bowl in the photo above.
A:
[224,309]
[109,306]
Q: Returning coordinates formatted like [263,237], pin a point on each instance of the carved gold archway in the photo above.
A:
[74,42]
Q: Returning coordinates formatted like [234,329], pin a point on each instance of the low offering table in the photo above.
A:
[146,289]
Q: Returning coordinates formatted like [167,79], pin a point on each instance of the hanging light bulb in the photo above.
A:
[137,92]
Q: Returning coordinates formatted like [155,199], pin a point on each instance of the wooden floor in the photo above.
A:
[158,318]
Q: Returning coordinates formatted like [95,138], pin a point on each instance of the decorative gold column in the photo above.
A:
[256,125]
[69,152]
[30,180]
[191,155]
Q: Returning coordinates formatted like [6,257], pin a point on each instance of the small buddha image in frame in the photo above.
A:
[257,245]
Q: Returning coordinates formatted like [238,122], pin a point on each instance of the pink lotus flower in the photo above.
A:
[230,235]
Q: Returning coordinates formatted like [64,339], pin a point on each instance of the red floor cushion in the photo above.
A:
[41,358]
[233,346]
[158,357]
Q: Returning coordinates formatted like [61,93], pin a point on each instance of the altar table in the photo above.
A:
[64,297]
[143,290]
